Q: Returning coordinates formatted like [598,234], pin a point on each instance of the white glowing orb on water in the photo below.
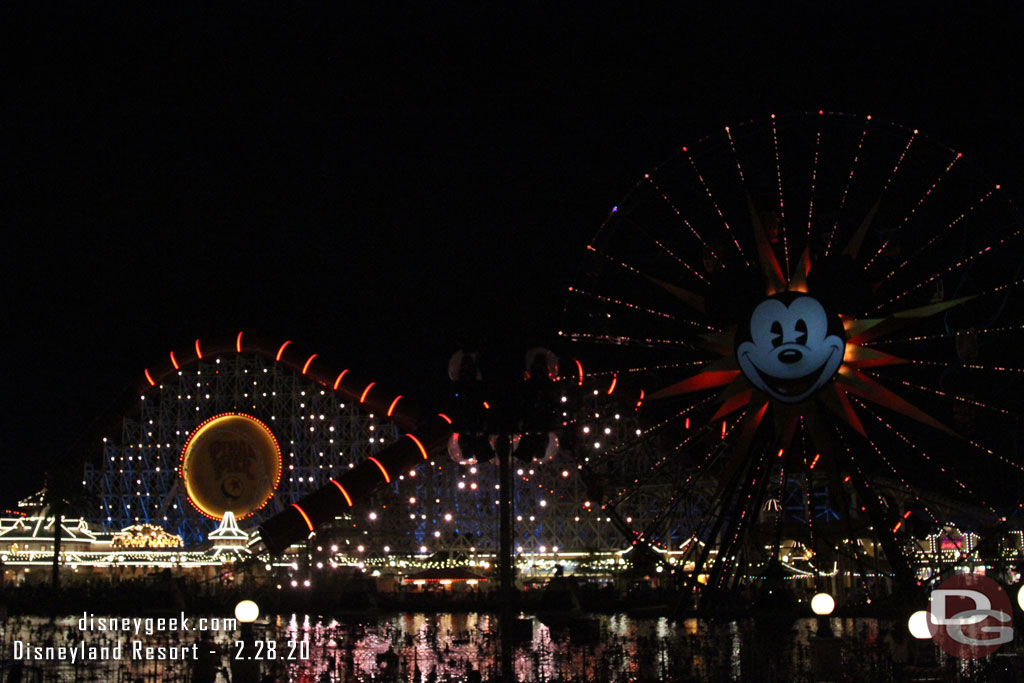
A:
[918,625]
[822,604]
[247,611]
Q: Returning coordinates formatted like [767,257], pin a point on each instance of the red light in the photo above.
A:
[362,399]
[780,452]
[174,361]
[615,380]
[445,418]
[391,408]
[308,361]
[906,514]
[846,478]
[238,343]
[686,425]
[815,461]
[338,381]
[419,444]
[487,406]
[375,461]
[199,353]
[304,515]
[821,111]
[579,366]
[348,499]
[150,379]
[723,428]
[897,527]
[280,351]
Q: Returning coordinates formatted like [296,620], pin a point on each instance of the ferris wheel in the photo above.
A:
[816,320]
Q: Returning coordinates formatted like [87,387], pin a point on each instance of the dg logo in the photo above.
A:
[970,616]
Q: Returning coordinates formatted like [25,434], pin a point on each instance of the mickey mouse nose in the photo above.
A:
[790,356]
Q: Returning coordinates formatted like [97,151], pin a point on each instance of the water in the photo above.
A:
[460,646]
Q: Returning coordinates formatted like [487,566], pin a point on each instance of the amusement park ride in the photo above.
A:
[793,355]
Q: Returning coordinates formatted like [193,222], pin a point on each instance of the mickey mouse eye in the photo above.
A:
[776,331]
[801,330]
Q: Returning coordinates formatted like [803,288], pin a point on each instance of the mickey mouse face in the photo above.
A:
[792,350]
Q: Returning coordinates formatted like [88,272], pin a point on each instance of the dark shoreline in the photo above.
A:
[145,598]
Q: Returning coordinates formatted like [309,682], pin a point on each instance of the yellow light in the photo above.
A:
[822,604]
[247,611]
[918,625]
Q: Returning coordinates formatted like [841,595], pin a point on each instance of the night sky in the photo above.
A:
[387,187]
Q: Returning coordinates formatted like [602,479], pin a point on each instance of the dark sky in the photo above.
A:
[386,186]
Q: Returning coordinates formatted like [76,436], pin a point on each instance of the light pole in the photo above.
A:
[922,627]
[521,417]
[3,586]
[504,453]
[823,605]
[244,669]
[826,662]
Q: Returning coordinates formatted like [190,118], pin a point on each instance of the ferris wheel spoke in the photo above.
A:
[622,340]
[939,237]
[962,263]
[707,190]
[782,203]
[813,185]
[846,188]
[956,397]
[968,366]
[899,226]
[904,484]
[1006,329]
[874,506]
[919,450]
[692,299]
[634,308]
[651,368]
[660,245]
[853,247]
[747,499]
[682,218]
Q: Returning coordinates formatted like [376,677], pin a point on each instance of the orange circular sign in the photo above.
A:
[230,462]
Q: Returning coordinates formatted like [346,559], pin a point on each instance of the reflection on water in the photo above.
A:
[464,647]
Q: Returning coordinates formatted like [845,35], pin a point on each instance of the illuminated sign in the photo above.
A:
[232,462]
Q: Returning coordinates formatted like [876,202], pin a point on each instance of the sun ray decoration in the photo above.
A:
[814,359]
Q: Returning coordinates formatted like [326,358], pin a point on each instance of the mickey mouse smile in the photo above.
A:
[788,388]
